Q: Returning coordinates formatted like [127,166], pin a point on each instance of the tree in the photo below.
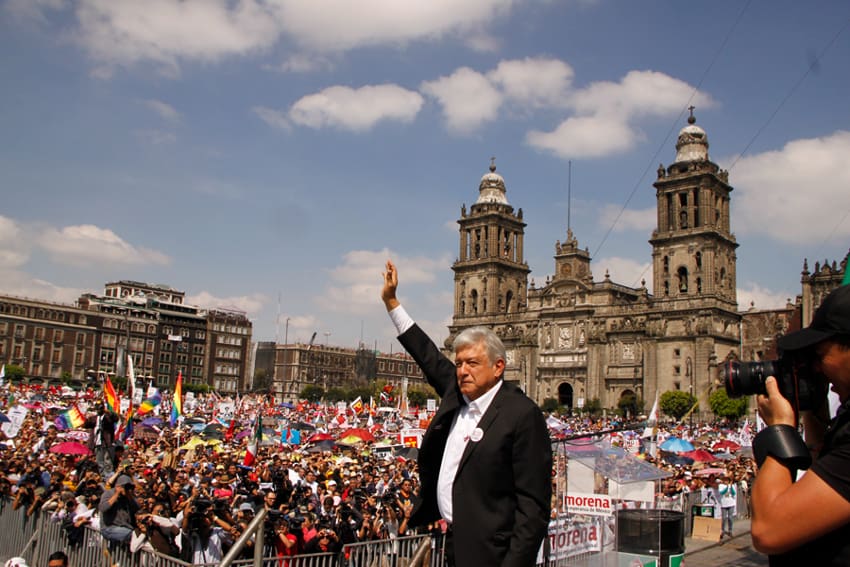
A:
[14,372]
[262,380]
[312,393]
[724,406]
[628,405]
[336,395]
[416,398]
[550,405]
[66,377]
[592,406]
[676,403]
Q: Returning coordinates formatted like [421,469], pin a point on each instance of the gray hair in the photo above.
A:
[475,335]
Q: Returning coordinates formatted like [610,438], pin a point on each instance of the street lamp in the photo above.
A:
[689,374]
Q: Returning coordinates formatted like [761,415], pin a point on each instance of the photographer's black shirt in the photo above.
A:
[833,467]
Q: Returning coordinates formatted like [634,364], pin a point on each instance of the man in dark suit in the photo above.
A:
[102,438]
[485,463]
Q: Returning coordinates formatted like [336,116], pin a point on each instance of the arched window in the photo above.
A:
[698,259]
[474,300]
[682,274]
[509,297]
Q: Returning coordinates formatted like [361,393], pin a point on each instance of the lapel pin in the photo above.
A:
[476,435]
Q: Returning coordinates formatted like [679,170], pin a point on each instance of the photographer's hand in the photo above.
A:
[774,409]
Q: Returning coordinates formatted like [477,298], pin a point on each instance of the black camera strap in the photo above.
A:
[783,443]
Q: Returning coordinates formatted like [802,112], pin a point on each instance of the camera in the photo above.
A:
[797,381]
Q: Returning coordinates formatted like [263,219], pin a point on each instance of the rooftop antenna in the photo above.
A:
[277,321]
[569,191]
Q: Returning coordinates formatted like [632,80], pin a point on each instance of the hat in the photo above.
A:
[123,480]
[16,562]
[246,507]
[831,318]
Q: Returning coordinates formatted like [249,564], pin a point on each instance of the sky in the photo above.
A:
[269,156]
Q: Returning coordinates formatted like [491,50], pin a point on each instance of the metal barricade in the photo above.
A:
[395,552]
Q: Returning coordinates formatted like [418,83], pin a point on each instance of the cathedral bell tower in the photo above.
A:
[491,275]
[693,249]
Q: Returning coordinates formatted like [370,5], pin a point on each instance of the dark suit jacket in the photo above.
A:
[502,492]
[107,429]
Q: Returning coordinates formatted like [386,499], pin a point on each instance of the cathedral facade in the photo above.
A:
[575,339]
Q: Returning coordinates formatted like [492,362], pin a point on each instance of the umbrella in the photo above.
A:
[70,448]
[710,471]
[677,445]
[152,421]
[358,432]
[700,455]
[319,437]
[287,405]
[725,456]
[407,453]
[3,418]
[326,445]
[301,426]
[195,441]
[675,459]
[727,445]
[349,440]
[241,434]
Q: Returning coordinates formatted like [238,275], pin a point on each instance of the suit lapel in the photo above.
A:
[484,425]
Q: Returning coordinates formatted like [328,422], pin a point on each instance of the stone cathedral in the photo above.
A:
[574,338]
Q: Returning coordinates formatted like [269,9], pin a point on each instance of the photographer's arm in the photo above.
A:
[788,514]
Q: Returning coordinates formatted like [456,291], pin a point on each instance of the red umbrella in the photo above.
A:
[710,471]
[320,437]
[359,432]
[70,448]
[700,455]
[726,445]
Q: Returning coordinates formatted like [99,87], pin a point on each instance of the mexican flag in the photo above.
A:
[254,443]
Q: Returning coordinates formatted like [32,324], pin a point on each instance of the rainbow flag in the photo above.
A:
[70,419]
[110,396]
[177,400]
[149,403]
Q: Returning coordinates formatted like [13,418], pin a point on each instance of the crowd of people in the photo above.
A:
[191,496]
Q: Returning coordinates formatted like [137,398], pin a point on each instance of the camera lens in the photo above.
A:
[747,378]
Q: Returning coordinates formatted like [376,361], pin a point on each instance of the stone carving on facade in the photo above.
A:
[565,338]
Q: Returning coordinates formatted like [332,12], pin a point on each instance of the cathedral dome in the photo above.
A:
[692,144]
[492,187]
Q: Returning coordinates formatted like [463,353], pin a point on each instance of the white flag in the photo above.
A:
[652,422]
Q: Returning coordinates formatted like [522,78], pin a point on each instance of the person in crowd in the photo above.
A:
[485,460]
[727,496]
[807,522]
[118,508]
[102,438]
[57,559]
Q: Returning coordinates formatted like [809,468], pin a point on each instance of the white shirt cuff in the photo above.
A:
[401,319]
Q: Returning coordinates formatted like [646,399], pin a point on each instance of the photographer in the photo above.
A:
[206,532]
[157,530]
[118,508]
[326,541]
[807,522]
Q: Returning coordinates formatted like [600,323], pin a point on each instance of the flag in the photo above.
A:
[357,405]
[254,443]
[556,424]
[291,436]
[71,418]
[110,396]
[652,423]
[149,403]
[340,419]
[177,400]
[3,375]
[386,398]
[372,410]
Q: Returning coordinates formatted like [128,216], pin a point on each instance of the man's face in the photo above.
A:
[57,563]
[834,362]
[475,373]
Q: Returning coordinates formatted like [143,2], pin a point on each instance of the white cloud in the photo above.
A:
[534,81]
[21,284]
[585,137]
[638,93]
[14,251]
[357,282]
[606,111]
[250,304]
[356,109]
[272,117]
[31,11]
[338,25]
[87,244]
[157,137]
[163,109]
[753,295]
[799,194]
[125,32]
[468,99]
[304,63]
[624,271]
[644,221]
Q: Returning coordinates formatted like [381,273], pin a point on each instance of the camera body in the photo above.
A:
[797,381]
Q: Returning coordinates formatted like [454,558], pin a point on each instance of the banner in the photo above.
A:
[568,538]
[16,416]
